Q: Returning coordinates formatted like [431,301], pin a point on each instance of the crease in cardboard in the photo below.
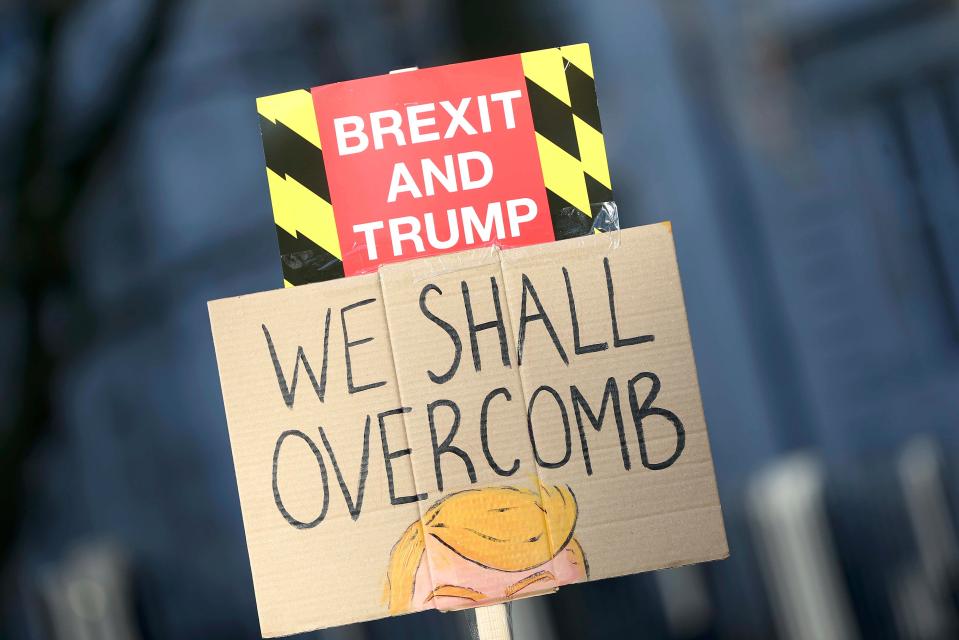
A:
[508,321]
[613,237]
[406,429]
[421,271]
[450,264]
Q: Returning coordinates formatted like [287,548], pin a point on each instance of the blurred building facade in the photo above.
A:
[806,152]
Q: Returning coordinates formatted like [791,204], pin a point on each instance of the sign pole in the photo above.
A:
[493,622]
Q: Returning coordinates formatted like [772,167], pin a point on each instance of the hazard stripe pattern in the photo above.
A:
[302,211]
[569,136]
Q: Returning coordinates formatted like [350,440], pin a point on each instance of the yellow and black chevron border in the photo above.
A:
[305,227]
[569,136]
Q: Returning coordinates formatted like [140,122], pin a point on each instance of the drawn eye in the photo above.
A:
[453,591]
[536,578]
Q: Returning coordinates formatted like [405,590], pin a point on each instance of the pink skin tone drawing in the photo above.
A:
[462,583]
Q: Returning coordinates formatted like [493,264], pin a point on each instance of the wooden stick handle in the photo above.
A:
[492,622]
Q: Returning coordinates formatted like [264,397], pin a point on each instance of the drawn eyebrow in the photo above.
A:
[453,591]
[539,576]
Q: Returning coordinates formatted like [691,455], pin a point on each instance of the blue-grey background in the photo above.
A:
[807,153]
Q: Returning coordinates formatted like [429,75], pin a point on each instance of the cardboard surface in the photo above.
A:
[506,151]
[561,439]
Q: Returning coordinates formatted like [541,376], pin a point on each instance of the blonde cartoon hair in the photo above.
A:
[503,528]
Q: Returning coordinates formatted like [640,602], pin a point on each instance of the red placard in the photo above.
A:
[435,161]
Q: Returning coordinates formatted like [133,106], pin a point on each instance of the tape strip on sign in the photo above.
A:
[509,151]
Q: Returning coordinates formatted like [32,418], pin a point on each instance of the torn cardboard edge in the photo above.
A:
[414,275]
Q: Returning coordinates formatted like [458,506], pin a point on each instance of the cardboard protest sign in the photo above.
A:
[506,151]
[466,429]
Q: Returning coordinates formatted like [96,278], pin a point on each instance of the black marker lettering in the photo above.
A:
[566,431]
[484,432]
[289,392]
[354,509]
[641,412]
[390,456]
[617,341]
[540,314]
[347,345]
[450,331]
[610,393]
[447,445]
[476,328]
[276,486]
[579,348]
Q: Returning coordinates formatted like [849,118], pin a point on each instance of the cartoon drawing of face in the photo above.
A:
[485,545]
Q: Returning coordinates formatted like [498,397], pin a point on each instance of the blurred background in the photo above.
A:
[807,153]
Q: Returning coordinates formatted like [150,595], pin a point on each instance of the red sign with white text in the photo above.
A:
[430,162]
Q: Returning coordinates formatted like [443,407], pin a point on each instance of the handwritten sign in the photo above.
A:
[467,428]
[507,151]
